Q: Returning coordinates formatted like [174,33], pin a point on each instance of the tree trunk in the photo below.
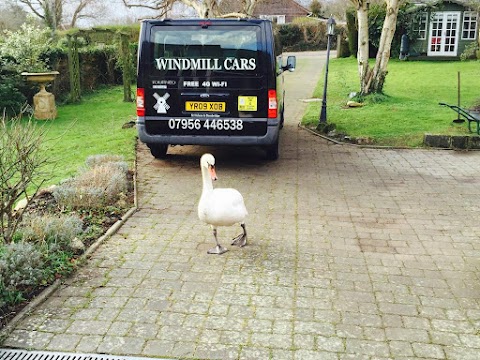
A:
[362,54]
[377,79]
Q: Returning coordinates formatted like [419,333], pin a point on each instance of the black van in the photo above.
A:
[210,82]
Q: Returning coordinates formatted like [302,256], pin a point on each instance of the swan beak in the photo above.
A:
[213,174]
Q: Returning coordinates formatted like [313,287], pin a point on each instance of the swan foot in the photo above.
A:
[217,250]
[240,240]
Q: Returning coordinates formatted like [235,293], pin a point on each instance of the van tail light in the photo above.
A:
[272,104]
[140,102]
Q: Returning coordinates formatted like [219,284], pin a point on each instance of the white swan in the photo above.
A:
[220,207]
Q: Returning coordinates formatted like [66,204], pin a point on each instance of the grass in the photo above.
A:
[409,108]
[91,127]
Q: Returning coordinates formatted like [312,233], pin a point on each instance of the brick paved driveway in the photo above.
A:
[354,254]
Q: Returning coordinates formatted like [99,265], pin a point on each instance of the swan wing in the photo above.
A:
[222,207]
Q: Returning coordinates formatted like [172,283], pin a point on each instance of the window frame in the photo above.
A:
[422,20]
[472,25]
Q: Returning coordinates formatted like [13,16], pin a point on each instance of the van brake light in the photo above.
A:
[272,104]
[140,102]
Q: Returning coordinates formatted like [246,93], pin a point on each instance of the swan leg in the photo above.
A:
[219,249]
[241,240]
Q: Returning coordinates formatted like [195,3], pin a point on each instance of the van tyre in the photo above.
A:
[272,151]
[158,151]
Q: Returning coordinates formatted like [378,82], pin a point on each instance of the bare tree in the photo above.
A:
[11,16]
[84,9]
[49,11]
[57,13]
[203,8]
[22,170]
[373,79]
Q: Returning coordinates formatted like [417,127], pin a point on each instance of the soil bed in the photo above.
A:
[100,219]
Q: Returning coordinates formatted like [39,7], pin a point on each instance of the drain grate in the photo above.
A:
[44,355]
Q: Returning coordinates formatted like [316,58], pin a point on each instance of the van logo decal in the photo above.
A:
[229,64]
[161,106]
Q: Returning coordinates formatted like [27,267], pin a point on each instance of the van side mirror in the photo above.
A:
[291,63]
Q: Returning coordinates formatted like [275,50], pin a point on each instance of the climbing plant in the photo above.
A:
[74,69]
[126,64]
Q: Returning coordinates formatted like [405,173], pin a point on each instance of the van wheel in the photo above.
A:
[272,151]
[159,151]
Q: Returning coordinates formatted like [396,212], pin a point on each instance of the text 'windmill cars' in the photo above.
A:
[210,82]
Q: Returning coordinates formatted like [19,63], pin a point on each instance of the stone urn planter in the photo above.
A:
[43,101]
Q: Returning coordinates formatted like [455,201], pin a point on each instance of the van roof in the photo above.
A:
[205,22]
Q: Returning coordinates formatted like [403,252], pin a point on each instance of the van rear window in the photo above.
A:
[193,50]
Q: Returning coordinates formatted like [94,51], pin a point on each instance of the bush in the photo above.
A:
[54,232]
[11,99]
[303,36]
[470,52]
[20,268]
[22,50]
[97,186]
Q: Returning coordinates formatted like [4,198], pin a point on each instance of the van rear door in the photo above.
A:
[203,77]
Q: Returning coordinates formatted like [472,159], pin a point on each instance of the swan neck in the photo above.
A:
[207,181]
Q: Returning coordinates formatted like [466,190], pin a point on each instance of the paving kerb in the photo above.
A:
[354,253]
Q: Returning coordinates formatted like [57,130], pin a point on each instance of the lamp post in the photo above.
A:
[323,114]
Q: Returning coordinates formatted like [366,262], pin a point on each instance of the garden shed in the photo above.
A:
[445,28]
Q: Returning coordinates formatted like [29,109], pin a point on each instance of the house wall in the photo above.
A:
[421,46]
[289,8]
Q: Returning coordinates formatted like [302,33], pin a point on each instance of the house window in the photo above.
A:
[469,30]
[276,19]
[421,25]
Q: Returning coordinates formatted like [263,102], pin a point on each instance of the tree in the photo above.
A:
[373,79]
[361,6]
[203,8]
[57,13]
[316,8]
[83,9]
[11,16]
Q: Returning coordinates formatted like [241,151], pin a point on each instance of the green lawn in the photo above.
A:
[91,127]
[410,109]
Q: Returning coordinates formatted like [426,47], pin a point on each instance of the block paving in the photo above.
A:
[354,253]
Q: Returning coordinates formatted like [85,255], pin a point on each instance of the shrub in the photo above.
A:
[97,160]
[95,187]
[20,268]
[303,35]
[56,232]
[23,50]
[470,52]
[11,99]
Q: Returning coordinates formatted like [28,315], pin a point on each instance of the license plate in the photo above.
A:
[205,106]
[247,103]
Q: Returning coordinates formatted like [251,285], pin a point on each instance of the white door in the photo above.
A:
[444,31]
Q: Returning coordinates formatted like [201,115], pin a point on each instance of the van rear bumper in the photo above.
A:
[271,137]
